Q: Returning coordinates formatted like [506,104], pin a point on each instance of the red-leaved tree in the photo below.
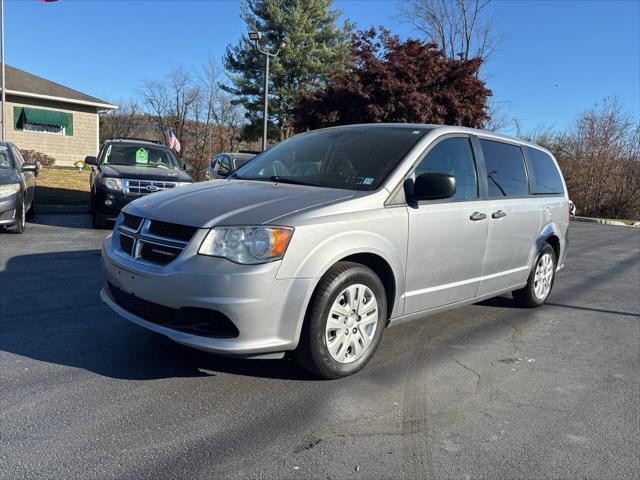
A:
[392,80]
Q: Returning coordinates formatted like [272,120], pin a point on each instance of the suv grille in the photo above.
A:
[197,321]
[172,230]
[131,221]
[143,187]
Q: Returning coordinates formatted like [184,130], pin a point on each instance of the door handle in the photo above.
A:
[499,214]
[475,216]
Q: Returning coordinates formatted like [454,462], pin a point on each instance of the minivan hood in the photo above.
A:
[145,173]
[232,202]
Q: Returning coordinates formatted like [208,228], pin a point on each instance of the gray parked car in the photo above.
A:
[225,164]
[17,188]
[319,243]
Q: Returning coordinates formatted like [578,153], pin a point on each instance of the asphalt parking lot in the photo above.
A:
[487,391]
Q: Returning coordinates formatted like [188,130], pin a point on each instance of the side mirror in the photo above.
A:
[29,167]
[91,160]
[433,186]
[187,167]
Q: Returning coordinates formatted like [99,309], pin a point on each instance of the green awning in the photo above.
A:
[37,116]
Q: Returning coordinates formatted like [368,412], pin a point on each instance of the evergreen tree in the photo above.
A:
[316,48]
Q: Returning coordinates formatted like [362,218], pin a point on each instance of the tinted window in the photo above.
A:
[18,156]
[5,159]
[224,164]
[506,174]
[353,158]
[545,175]
[455,157]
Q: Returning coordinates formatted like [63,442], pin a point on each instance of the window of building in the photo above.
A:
[453,156]
[42,121]
[506,173]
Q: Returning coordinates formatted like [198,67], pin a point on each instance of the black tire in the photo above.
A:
[96,219]
[21,221]
[312,352]
[31,213]
[526,297]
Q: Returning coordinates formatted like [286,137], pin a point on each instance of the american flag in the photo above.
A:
[173,140]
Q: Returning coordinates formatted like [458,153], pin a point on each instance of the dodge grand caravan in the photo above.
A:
[319,243]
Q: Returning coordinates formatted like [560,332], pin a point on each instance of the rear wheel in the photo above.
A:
[540,281]
[344,323]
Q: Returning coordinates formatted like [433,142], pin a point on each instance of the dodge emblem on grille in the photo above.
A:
[152,188]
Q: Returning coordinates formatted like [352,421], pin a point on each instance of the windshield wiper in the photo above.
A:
[293,181]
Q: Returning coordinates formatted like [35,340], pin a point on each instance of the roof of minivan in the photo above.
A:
[443,129]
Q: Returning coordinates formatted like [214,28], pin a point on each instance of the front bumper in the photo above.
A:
[8,209]
[117,201]
[267,312]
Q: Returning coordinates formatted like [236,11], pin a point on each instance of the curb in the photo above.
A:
[63,209]
[604,221]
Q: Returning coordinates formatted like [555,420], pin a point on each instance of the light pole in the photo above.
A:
[4,126]
[256,37]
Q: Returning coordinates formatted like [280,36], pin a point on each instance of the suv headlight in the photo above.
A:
[112,183]
[8,190]
[184,184]
[247,245]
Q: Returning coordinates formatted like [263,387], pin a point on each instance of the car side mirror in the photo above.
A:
[432,186]
[91,160]
[187,167]
[29,167]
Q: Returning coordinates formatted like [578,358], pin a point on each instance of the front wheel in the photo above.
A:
[540,281]
[344,323]
[21,222]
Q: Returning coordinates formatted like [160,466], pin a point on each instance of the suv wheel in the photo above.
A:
[96,220]
[344,322]
[540,281]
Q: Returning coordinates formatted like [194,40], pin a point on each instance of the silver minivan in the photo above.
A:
[318,244]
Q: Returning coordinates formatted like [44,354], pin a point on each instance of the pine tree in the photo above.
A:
[316,48]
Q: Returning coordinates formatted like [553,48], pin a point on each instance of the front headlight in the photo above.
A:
[8,190]
[247,245]
[184,184]
[112,183]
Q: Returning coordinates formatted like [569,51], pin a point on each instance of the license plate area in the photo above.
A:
[129,282]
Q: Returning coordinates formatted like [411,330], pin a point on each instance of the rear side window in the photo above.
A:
[545,175]
[455,157]
[506,174]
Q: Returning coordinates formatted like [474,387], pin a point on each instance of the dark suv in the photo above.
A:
[126,169]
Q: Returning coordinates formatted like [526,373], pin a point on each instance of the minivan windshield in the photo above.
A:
[146,156]
[353,158]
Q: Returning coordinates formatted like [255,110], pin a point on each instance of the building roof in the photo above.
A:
[26,84]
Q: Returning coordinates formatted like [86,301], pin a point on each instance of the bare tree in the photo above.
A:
[202,116]
[462,28]
[125,121]
[600,159]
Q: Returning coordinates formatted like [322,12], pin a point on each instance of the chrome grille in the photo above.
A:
[143,187]
[131,221]
[159,245]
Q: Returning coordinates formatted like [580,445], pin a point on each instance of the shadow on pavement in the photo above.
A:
[51,312]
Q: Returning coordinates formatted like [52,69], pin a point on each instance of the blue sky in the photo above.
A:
[559,57]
